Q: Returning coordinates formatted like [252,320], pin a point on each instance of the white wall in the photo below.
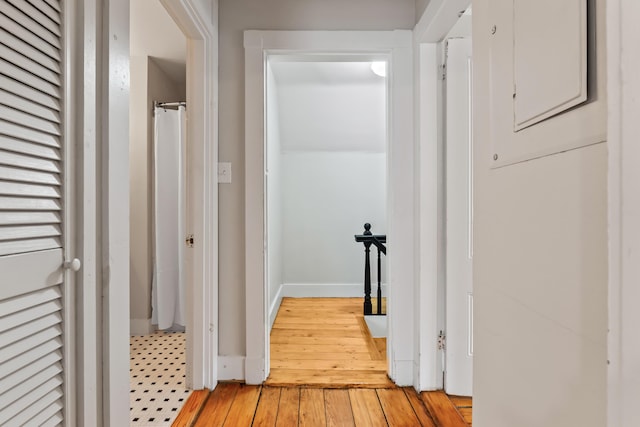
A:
[235,16]
[340,106]
[540,270]
[333,140]
[148,83]
[328,196]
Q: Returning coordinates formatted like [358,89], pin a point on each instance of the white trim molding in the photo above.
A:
[438,19]
[396,48]
[114,204]
[434,25]
[274,307]
[231,368]
[202,213]
[623,93]
[328,290]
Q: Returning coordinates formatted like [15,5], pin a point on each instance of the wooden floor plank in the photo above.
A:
[323,364]
[329,378]
[243,406]
[396,407]
[309,354]
[267,410]
[308,333]
[359,350]
[314,321]
[464,404]
[316,326]
[366,408]
[336,341]
[467,414]
[418,407]
[461,401]
[442,410]
[191,409]
[217,406]
[338,408]
[312,412]
[288,409]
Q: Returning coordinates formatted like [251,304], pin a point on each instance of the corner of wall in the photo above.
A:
[275,306]
[141,327]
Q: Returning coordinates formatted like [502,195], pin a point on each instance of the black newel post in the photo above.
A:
[379,285]
[367,272]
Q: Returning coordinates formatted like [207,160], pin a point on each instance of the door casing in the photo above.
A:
[397,46]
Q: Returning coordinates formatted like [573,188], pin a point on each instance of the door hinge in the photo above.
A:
[189,241]
[442,341]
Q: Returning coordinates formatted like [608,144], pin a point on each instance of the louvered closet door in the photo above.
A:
[32,291]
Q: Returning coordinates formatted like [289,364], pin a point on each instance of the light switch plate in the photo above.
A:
[224,173]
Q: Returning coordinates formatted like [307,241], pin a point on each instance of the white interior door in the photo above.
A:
[35,288]
[459,292]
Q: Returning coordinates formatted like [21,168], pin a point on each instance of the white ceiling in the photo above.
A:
[330,106]
[329,73]
[154,34]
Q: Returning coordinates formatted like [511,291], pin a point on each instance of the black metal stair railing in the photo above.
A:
[368,239]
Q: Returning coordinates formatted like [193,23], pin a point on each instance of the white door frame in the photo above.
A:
[88,338]
[108,107]
[202,188]
[623,90]
[113,205]
[437,20]
[458,170]
[397,45]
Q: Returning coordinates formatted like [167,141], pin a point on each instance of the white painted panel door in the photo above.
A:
[459,296]
[34,318]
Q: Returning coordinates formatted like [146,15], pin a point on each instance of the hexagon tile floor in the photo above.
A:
[157,376]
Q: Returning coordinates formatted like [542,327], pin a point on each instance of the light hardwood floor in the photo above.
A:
[239,405]
[325,342]
[326,370]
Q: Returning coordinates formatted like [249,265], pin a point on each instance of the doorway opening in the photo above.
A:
[326,177]
[158,94]
[395,47]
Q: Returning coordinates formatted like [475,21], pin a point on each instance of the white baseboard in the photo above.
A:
[403,373]
[330,290]
[231,368]
[275,305]
[141,327]
[254,373]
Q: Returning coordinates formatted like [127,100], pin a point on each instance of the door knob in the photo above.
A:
[73,265]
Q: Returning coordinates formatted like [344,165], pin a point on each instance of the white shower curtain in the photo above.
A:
[167,293]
